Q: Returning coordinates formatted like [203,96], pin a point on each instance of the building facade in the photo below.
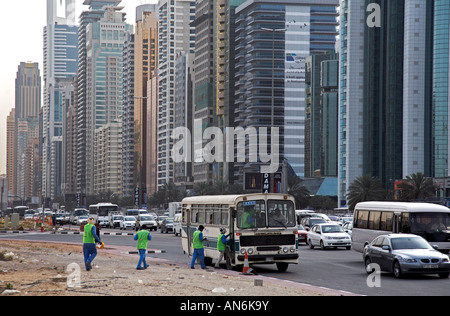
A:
[175,34]
[273,40]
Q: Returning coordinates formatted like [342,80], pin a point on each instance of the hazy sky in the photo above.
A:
[22,24]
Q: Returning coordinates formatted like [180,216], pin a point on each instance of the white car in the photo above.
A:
[128,222]
[348,227]
[328,235]
[82,219]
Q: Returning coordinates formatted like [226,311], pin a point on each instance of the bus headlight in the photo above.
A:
[242,251]
[292,249]
[250,251]
[285,249]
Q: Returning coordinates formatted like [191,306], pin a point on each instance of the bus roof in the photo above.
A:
[227,199]
[402,206]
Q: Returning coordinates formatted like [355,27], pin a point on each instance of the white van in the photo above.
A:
[177,225]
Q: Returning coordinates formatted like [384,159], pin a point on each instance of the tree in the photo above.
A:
[365,188]
[298,191]
[416,186]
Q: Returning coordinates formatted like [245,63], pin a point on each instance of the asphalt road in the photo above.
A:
[338,269]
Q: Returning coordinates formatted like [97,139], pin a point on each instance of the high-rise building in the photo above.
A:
[10,152]
[60,67]
[100,54]
[391,77]
[273,40]
[145,63]
[128,116]
[28,104]
[321,115]
[175,34]
[441,89]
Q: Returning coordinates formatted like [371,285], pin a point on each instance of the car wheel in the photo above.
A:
[368,266]
[397,270]
[322,246]
[311,246]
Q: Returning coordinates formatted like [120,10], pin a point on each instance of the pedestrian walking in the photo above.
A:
[224,251]
[142,237]
[90,237]
[197,243]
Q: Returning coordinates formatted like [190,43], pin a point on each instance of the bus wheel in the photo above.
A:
[282,266]
[208,261]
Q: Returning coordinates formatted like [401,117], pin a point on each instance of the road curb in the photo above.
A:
[12,232]
[137,252]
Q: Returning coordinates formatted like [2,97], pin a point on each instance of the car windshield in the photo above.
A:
[130,219]
[117,217]
[83,217]
[146,218]
[332,229]
[300,227]
[168,221]
[409,243]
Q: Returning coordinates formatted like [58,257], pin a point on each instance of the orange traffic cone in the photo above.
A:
[246,270]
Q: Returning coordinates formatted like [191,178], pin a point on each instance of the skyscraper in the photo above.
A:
[391,122]
[60,67]
[273,39]
[100,52]
[28,104]
[174,36]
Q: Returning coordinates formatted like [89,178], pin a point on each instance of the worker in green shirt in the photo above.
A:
[223,249]
[142,237]
[89,239]
[197,243]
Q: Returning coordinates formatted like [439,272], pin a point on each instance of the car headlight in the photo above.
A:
[445,259]
[407,260]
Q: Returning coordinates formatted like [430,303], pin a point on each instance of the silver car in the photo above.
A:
[402,254]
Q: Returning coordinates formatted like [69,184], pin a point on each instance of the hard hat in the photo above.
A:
[100,245]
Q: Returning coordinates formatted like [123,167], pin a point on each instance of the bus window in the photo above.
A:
[251,214]
[201,214]
[209,214]
[194,214]
[374,220]
[406,224]
[224,215]
[361,219]
[216,220]
[281,213]
[386,221]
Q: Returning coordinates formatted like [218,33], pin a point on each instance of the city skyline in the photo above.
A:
[30,49]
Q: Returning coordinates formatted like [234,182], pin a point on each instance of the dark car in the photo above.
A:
[167,225]
[402,254]
[310,221]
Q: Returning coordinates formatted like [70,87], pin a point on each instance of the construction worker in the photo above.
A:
[223,249]
[197,243]
[142,236]
[89,239]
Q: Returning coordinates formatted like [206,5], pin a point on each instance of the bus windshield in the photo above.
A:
[105,210]
[431,226]
[253,214]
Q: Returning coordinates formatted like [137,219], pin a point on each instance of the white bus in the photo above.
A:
[100,212]
[372,219]
[263,225]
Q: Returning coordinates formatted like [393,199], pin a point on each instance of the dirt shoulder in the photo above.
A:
[43,269]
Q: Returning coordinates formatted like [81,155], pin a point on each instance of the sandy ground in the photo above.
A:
[48,269]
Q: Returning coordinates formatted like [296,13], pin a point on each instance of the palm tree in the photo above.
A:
[365,188]
[416,186]
[298,191]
